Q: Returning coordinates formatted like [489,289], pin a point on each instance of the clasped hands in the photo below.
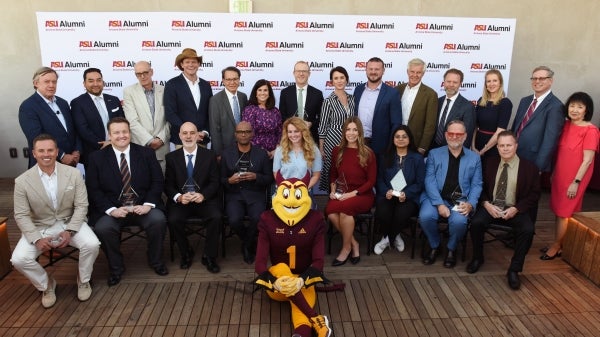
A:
[288,285]
[122,211]
[190,197]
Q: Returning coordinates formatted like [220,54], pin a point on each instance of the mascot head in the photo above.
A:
[291,203]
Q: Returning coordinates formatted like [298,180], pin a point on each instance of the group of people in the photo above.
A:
[367,148]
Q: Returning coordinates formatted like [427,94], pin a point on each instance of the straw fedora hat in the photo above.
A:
[187,53]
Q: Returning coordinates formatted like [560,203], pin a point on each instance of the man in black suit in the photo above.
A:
[302,95]
[453,106]
[186,97]
[92,110]
[44,112]
[125,183]
[246,172]
[192,186]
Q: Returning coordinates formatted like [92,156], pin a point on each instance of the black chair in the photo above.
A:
[195,226]
[363,225]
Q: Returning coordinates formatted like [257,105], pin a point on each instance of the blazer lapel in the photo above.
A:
[37,187]
[47,109]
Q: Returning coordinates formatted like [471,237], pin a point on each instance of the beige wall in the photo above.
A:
[556,33]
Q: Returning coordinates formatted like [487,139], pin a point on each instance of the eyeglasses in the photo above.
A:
[142,74]
[246,132]
[535,79]
[455,134]
[231,79]
[302,71]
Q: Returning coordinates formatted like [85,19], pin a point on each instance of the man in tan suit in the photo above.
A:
[143,105]
[50,203]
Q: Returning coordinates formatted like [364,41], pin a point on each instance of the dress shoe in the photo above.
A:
[547,257]
[544,249]
[513,280]
[337,263]
[186,260]
[354,259]
[247,254]
[84,291]
[399,243]
[161,270]
[113,279]
[211,264]
[431,256]
[474,266]
[49,295]
[450,260]
[381,245]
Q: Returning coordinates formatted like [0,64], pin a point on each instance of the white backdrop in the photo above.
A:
[268,45]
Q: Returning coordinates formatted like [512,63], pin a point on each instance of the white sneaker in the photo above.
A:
[381,245]
[399,243]
[49,295]
[84,291]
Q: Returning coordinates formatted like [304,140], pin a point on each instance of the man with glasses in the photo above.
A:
[452,188]
[246,173]
[302,100]
[143,105]
[225,110]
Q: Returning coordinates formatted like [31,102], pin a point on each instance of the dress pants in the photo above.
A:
[25,253]
[210,210]
[457,225]
[393,215]
[108,230]
[523,229]
[236,207]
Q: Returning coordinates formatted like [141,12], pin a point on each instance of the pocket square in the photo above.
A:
[68,188]
[115,109]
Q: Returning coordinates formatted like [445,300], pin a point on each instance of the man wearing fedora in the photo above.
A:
[186,97]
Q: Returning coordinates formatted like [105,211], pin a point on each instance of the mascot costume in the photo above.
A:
[293,237]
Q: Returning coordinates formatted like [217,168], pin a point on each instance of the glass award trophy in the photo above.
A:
[500,204]
[457,198]
[243,164]
[341,186]
[190,186]
[128,197]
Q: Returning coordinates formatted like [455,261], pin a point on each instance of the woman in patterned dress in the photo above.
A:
[334,111]
[264,117]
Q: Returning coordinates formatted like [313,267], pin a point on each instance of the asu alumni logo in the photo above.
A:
[89,45]
[490,29]
[283,46]
[343,46]
[122,65]
[159,45]
[433,28]
[313,27]
[402,47]
[64,25]
[483,67]
[69,65]
[254,65]
[373,27]
[252,26]
[460,48]
[127,25]
[223,45]
[188,25]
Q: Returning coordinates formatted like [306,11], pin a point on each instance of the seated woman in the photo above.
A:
[352,177]
[399,184]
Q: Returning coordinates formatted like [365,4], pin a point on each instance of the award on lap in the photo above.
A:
[128,197]
[457,198]
[398,183]
[243,164]
[341,186]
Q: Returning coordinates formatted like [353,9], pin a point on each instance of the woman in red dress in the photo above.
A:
[577,146]
[352,176]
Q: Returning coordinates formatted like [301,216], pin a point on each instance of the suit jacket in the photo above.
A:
[221,121]
[469,175]
[137,112]
[180,106]
[88,122]
[103,179]
[34,209]
[528,184]
[462,110]
[422,120]
[288,106]
[539,138]
[37,117]
[414,174]
[261,165]
[386,117]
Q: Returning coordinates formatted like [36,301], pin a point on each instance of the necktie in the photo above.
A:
[236,110]
[527,117]
[439,134]
[190,166]
[502,182]
[103,114]
[125,174]
[300,103]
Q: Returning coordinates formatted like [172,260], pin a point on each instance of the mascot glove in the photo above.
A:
[292,286]
[280,283]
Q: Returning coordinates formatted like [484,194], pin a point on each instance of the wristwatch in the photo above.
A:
[72,232]
[577,181]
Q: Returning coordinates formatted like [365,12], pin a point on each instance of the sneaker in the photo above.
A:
[321,325]
[381,245]
[84,291]
[49,295]
[399,243]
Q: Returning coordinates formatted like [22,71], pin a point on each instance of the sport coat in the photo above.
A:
[386,117]
[288,106]
[463,110]
[221,121]
[34,209]
[103,179]
[206,173]
[261,165]
[88,122]
[413,171]
[539,138]
[422,119]
[469,175]
[143,127]
[180,106]
[37,117]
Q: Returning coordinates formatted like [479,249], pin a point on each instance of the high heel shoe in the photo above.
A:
[337,263]
[547,257]
[355,259]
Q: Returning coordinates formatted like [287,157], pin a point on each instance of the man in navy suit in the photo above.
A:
[120,169]
[378,106]
[92,110]
[44,112]
[186,97]
[453,106]
[312,99]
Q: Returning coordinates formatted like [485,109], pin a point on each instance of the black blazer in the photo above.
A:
[261,165]
[288,106]
[206,173]
[462,110]
[103,179]
[88,122]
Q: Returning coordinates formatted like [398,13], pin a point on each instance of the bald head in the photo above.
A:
[144,72]
[188,133]
[243,133]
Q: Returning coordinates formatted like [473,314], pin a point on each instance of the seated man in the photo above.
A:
[245,174]
[511,190]
[452,188]
[50,210]
[125,184]
[192,186]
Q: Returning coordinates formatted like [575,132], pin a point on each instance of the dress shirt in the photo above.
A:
[408,98]
[55,108]
[195,89]
[99,100]
[185,156]
[304,92]
[232,102]
[50,183]
[366,108]
[452,183]
[540,99]
[511,183]
[452,100]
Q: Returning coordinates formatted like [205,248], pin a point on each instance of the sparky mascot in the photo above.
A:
[293,237]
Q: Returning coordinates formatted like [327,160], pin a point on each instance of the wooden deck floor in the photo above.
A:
[387,295]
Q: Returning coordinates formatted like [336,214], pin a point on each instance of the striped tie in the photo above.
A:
[125,174]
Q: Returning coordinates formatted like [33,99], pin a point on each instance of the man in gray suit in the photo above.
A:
[143,105]
[225,111]
[51,204]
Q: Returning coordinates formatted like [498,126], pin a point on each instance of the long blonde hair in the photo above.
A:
[308,144]
[486,96]
[364,152]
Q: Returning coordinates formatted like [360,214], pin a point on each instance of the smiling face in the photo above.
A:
[351,133]
[294,134]
[576,111]
[492,84]
[46,84]
[190,67]
[415,73]
[262,94]
[44,152]
[451,84]
[375,72]
[93,83]
[119,136]
[291,203]
[339,80]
